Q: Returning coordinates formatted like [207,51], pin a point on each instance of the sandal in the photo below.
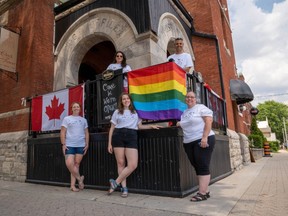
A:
[74,189]
[113,186]
[198,197]
[81,183]
[208,194]
[124,192]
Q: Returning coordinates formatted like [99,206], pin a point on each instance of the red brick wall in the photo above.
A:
[36,66]
[209,19]
[14,123]
[35,61]
[200,10]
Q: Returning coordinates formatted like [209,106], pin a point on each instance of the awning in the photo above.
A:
[240,92]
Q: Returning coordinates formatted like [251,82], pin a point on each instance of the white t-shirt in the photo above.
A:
[127,120]
[183,60]
[75,134]
[193,124]
[116,66]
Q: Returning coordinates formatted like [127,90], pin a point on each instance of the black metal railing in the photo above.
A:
[208,97]
[93,105]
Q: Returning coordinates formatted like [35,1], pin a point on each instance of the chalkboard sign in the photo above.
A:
[108,92]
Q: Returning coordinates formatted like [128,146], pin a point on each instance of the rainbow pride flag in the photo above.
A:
[158,91]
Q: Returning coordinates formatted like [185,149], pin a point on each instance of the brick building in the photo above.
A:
[57,44]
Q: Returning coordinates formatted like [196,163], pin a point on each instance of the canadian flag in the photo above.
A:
[49,110]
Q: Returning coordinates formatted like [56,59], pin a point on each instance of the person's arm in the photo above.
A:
[86,140]
[187,69]
[109,67]
[110,148]
[148,126]
[128,68]
[63,138]
[189,63]
[207,128]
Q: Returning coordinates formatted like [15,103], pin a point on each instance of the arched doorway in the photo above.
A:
[89,42]
[96,60]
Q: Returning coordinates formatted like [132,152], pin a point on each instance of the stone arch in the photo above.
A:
[94,27]
[170,28]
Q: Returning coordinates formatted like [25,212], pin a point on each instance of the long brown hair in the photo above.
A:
[123,63]
[121,106]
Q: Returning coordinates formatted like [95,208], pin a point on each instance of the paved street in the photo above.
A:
[258,189]
[268,192]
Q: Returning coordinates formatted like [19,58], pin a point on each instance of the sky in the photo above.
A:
[260,38]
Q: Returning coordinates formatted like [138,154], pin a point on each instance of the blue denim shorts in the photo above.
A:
[125,138]
[74,150]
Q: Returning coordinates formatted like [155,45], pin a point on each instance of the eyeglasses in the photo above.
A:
[119,56]
[190,97]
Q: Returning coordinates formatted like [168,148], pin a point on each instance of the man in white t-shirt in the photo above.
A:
[182,59]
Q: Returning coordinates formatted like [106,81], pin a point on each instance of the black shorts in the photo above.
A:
[125,138]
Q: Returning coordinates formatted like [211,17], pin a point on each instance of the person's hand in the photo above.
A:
[64,148]
[85,149]
[156,126]
[110,149]
[178,124]
[204,143]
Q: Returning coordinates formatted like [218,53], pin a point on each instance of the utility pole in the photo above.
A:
[285,132]
[284,138]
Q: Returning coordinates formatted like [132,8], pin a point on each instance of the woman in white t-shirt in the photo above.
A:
[198,142]
[74,137]
[123,141]
[120,63]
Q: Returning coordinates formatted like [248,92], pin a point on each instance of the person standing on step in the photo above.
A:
[182,59]
[74,137]
[198,142]
[123,141]
[120,63]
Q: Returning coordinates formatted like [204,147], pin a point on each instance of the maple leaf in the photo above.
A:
[55,111]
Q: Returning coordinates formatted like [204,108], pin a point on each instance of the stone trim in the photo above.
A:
[170,28]
[14,113]
[93,27]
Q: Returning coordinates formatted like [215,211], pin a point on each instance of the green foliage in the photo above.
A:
[274,146]
[254,130]
[256,141]
[276,113]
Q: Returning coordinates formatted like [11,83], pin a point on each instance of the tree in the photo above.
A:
[275,112]
[256,135]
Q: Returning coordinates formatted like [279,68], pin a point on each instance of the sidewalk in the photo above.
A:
[258,189]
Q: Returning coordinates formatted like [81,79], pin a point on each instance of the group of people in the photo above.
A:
[196,123]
